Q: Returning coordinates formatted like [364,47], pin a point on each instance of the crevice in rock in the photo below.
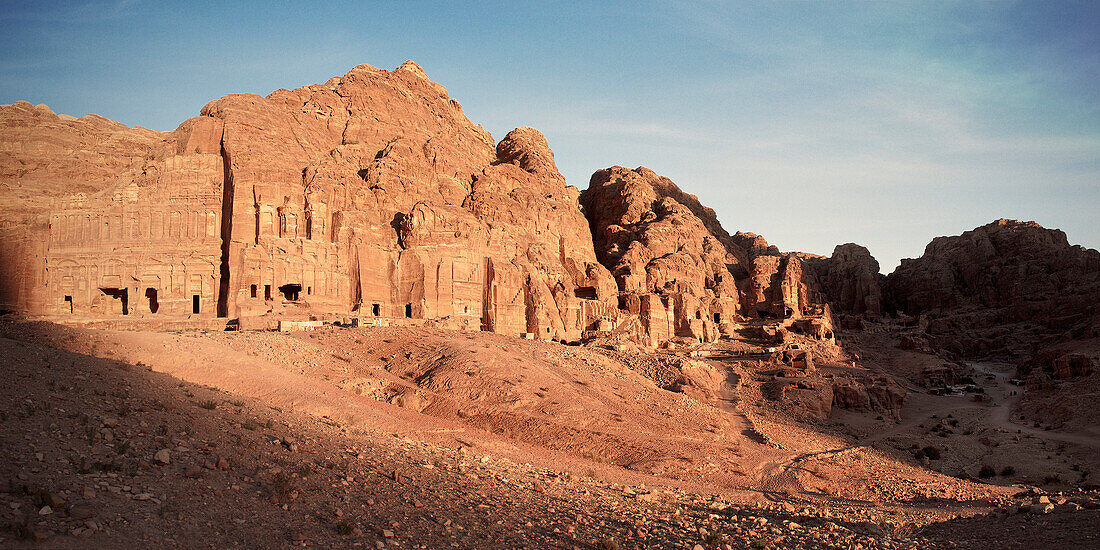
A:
[226,231]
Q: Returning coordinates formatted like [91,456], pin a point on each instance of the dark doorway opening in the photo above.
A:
[585,292]
[194,303]
[267,292]
[290,292]
[376,310]
[120,299]
[252,289]
[69,303]
[408,311]
[151,296]
[717,317]
[309,291]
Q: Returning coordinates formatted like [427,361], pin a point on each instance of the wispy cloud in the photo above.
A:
[70,12]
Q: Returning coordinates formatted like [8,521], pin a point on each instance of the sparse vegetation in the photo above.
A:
[929,452]
[715,538]
[1007,471]
[208,404]
[987,472]
[607,544]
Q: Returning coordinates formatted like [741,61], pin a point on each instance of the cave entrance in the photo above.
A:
[69,303]
[290,292]
[717,317]
[585,292]
[151,297]
[408,311]
[376,309]
[194,303]
[119,300]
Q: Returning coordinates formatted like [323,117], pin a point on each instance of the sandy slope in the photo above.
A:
[565,432]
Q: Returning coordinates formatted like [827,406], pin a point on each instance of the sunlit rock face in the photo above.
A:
[371,194]
[676,266]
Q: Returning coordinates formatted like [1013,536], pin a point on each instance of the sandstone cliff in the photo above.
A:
[663,247]
[370,195]
[1007,286]
[373,197]
[850,280]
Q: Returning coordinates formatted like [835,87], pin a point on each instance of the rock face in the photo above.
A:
[373,197]
[1003,287]
[677,269]
[870,394]
[850,279]
[370,195]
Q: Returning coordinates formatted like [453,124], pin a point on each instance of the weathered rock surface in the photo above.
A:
[1003,287]
[676,266]
[850,279]
[881,394]
[371,195]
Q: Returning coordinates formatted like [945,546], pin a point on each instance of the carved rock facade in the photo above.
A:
[678,270]
[369,196]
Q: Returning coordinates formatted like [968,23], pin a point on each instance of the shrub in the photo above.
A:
[607,544]
[1007,471]
[209,404]
[931,452]
[715,538]
[987,472]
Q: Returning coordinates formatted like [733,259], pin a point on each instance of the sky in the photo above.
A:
[810,123]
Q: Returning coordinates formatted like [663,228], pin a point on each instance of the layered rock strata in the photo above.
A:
[371,194]
[1005,287]
[678,270]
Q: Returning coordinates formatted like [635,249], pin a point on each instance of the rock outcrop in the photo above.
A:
[850,279]
[1005,287]
[370,195]
[678,269]
[881,394]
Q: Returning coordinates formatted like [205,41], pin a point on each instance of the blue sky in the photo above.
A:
[810,123]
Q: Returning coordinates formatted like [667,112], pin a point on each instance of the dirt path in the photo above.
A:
[1000,414]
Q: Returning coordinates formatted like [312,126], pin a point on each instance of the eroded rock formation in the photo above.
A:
[850,279]
[678,269]
[371,194]
[1007,286]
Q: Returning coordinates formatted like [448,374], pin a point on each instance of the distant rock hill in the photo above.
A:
[373,198]
[1004,287]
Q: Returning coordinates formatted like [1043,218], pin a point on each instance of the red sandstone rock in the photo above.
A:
[370,195]
[1003,287]
[675,265]
[850,279]
[878,394]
